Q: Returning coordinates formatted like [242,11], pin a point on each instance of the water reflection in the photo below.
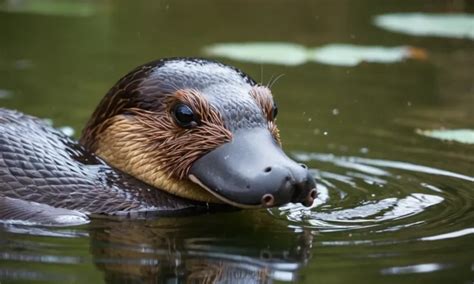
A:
[237,247]
[371,208]
[419,268]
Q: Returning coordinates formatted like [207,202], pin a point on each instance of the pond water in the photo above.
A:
[396,197]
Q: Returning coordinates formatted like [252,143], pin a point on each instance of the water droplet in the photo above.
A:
[69,131]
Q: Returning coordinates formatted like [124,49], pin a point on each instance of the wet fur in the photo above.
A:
[150,146]
[264,99]
[133,130]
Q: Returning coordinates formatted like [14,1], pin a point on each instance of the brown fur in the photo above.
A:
[263,97]
[177,148]
[134,131]
[126,93]
[150,146]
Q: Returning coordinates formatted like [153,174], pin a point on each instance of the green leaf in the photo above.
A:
[259,52]
[352,55]
[294,54]
[459,135]
[75,8]
[419,24]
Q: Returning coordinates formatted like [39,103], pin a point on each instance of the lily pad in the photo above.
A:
[50,7]
[280,53]
[352,55]
[459,135]
[420,24]
[5,94]
[292,54]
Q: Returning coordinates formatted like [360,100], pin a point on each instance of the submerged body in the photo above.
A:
[171,136]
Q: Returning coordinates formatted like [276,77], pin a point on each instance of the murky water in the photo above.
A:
[394,205]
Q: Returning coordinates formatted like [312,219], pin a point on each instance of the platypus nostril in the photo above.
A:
[268,200]
[310,198]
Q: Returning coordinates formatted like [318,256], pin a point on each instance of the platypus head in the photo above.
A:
[201,130]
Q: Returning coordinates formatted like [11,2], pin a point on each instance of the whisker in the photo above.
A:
[276,79]
[269,81]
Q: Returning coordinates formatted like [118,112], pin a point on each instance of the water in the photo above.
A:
[394,205]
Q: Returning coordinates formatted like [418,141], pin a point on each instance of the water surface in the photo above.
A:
[394,205]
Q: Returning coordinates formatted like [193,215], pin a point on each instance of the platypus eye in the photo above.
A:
[184,116]
[274,111]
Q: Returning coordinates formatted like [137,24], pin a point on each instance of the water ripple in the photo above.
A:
[374,196]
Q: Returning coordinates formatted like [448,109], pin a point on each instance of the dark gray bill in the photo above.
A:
[253,171]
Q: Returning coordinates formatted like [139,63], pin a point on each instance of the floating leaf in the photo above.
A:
[50,7]
[419,24]
[5,94]
[351,55]
[459,135]
[258,52]
[293,54]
